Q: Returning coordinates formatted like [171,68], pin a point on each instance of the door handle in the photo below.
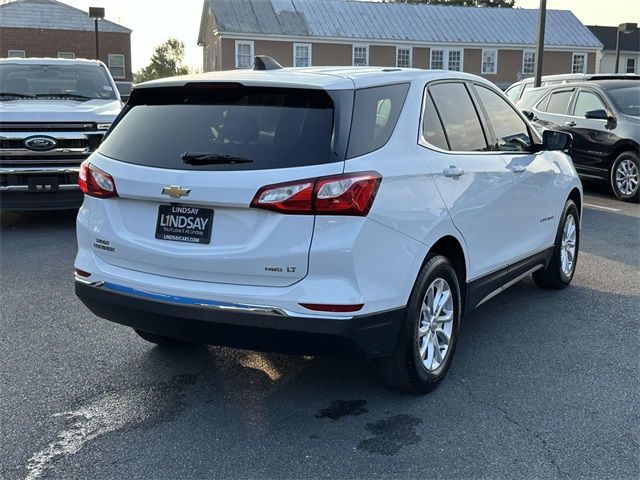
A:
[453,172]
[518,169]
[570,124]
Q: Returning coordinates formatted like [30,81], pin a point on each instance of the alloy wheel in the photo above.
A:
[436,325]
[568,246]
[627,177]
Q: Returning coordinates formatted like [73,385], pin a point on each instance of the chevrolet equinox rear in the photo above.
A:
[314,211]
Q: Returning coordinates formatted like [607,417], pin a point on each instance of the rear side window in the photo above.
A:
[432,130]
[459,116]
[511,132]
[375,114]
[558,102]
[267,127]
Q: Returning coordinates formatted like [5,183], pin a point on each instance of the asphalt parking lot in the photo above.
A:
[544,384]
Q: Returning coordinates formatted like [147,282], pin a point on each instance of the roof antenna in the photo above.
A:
[265,62]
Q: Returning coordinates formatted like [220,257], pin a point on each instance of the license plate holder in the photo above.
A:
[181,223]
[43,184]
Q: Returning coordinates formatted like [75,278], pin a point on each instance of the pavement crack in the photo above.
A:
[548,451]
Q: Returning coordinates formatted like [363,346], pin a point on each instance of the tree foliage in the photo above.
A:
[166,61]
[464,3]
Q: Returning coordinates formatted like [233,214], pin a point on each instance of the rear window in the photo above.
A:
[265,128]
[375,114]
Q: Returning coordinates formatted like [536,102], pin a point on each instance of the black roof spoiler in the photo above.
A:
[264,62]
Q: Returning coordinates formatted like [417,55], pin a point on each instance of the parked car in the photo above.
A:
[516,91]
[322,210]
[124,89]
[603,117]
[53,115]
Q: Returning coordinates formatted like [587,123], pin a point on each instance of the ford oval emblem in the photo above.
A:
[40,144]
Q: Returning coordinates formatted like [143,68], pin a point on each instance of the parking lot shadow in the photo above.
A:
[602,230]
[37,220]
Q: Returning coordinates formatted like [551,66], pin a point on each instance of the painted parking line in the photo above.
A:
[610,209]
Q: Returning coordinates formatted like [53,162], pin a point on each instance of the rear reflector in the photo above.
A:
[82,273]
[348,194]
[95,182]
[321,307]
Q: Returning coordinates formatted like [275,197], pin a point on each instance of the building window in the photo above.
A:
[631,65]
[244,54]
[301,54]
[16,54]
[455,60]
[360,55]
[445,59]
[116,65]
[69,55]
[528,62]
[489,62]
[403,57]
[579,63]
[437,59]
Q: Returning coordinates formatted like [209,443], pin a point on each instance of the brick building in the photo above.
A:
[497,43]
[47,28]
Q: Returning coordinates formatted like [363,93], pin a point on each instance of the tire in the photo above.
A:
[558,275]
[160,340]
[405,369]
[625,177]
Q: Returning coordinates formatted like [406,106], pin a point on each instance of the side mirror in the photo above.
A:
[599,114]
[554,140]
[528,114]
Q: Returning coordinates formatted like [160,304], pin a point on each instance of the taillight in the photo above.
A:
[95,182]
[348,194]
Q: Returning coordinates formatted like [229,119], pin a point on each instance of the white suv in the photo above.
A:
[322,210]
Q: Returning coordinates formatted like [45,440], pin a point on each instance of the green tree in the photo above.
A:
[464,3]
[166,61]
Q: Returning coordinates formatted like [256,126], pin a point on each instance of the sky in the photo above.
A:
[154,21]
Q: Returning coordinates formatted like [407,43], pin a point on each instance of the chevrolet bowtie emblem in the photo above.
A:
[175,191]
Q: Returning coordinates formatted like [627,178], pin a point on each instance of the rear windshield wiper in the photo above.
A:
[72,96]
[195,158]
[17,95]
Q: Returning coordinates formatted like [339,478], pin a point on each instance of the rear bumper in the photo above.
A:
[255,328]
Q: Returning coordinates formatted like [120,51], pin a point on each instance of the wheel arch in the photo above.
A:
[620,147]
[576,196]
[452,248]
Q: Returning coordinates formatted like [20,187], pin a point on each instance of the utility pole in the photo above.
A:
[542,20]
[97,13]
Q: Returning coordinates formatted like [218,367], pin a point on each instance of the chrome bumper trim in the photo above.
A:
[25,188]
[209,304]
[37,170]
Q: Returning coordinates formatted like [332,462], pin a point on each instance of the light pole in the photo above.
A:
[97,13]
[622,28]
[542,19]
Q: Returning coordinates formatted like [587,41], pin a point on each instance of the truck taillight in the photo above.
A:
[347,194]
[95,182]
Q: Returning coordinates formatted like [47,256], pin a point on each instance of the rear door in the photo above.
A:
[187,163]
[474,183]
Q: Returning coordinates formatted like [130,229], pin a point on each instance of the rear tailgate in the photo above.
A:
[218,237]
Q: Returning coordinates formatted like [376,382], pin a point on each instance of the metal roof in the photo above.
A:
[51,15]
[399,22]
[629,42]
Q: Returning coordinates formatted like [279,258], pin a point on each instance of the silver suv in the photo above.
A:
[53,115]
